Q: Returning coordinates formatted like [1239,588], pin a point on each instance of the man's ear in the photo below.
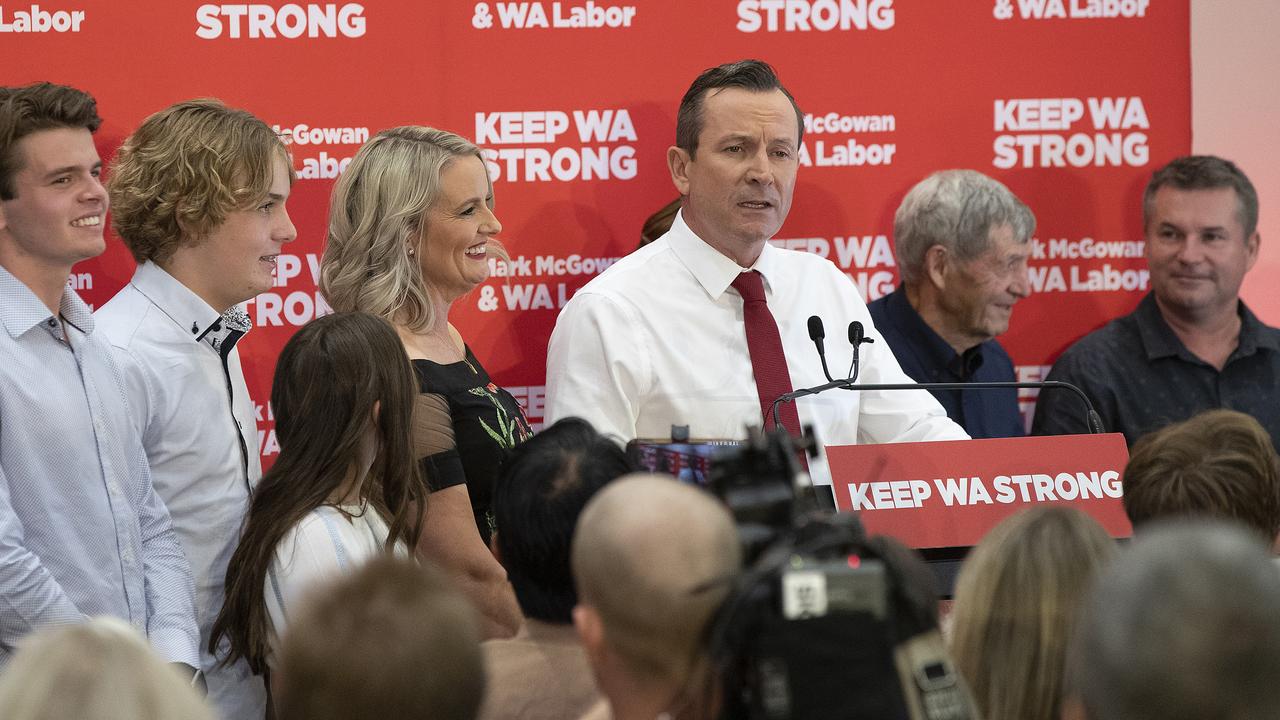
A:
[678,163]
[1254,243]
[937,262]
[590,630]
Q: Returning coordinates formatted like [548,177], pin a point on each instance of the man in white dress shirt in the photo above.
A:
[658,339]
[198,195]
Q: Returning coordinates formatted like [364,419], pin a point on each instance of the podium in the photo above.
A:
[941,498]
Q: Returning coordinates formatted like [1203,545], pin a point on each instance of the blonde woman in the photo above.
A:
[98,670]
[411,230]
[1016,604]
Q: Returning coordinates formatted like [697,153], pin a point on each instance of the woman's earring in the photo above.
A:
[412,252]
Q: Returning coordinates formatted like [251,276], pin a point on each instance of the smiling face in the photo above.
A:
[453,252]
[980,294]
[1197,251]
[237,259]
[738,184]
[56,217]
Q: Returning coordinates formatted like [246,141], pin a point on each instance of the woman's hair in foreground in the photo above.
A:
[377,213]
[101,669]
[1016,602]
[329,379]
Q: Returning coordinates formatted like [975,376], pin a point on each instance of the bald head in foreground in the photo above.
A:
[653,560]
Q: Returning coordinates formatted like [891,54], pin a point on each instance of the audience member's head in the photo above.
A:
[52,203]
[200,189]
[1201,219]
[101,669]
[1016,602]
[657,224]
[653,560]
[386,225]
[391,640]
[1185,625]
[343,396]
[1218,464]
[962,244]
[537,499]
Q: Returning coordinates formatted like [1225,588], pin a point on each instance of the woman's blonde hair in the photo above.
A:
[1015,606]
[98,670]
[378,212]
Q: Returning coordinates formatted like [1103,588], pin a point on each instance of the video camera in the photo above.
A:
[825,622]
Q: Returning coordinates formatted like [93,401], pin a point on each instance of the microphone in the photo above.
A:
[856,338]
[1092,419]
[817,334]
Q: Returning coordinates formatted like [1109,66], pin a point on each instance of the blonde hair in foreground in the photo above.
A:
[377,213]
[1016,603]
[99,670]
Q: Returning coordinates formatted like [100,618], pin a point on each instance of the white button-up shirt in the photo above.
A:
[82,531]
[200,431]
[658,339]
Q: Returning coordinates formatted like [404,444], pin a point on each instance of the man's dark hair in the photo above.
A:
[32,108]
[1219,464]
[752,75]
[1204,172]
[542,489]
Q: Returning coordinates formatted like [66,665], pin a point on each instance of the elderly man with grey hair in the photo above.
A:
[962,244]
[1184,625]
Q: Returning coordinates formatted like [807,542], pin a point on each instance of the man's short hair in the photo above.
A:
[32,108]
[1220,464]
[542,489]
[956,209]
[1184,625]
[1204,172]
[391,640]
[750,75]
[184,170]
[655,558]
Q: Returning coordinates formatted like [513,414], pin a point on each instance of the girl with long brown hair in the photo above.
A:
[346,486]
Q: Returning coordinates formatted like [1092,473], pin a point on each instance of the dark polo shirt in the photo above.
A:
[926,357]
[1140,377]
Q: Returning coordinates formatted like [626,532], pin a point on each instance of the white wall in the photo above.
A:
[1235,113]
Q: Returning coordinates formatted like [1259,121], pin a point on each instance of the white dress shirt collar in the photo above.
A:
[21,310]
[174,299]
[714,270]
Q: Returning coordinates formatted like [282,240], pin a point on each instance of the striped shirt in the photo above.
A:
[82,531]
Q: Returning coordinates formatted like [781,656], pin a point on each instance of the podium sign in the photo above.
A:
[949,494]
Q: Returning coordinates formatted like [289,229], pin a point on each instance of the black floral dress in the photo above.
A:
[487,423]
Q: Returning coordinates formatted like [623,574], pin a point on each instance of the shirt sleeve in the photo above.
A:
[171,605]
[138,390]
[894,416]
[307,554]
[597,368]
[30,597]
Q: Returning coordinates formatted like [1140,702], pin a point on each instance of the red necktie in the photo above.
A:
[764,343]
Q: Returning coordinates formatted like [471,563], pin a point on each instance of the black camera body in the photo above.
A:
[825,622]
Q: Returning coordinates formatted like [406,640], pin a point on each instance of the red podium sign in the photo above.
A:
[949,494]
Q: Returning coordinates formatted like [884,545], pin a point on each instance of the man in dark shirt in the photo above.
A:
[961,241]
[1191,344]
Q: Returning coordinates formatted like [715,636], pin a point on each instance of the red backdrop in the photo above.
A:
[1071,103]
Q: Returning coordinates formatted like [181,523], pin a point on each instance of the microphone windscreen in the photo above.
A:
[855,333]
[816,331]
